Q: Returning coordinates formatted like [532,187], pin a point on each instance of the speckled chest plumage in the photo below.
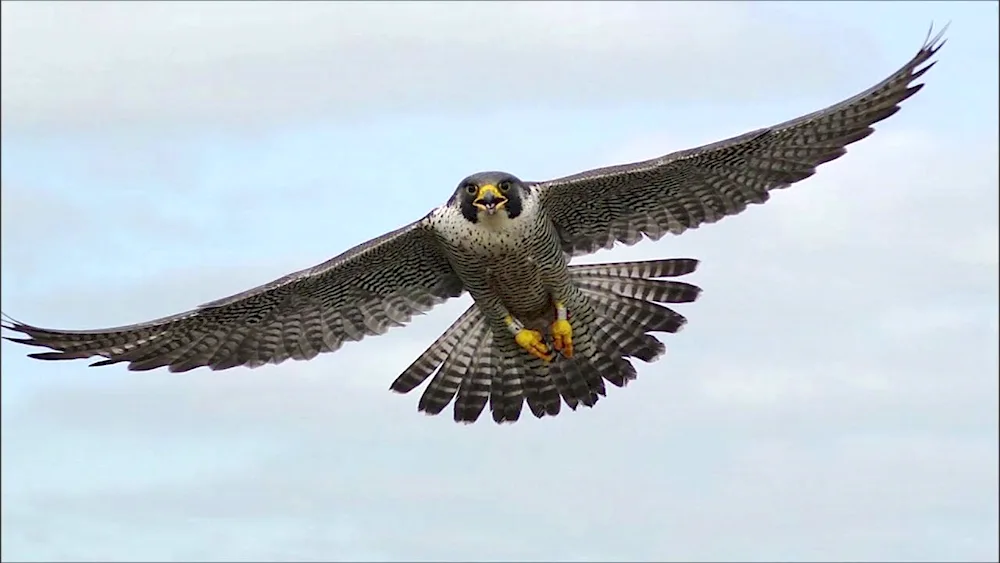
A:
[516,263]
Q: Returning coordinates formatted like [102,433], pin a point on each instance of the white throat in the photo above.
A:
[498,221]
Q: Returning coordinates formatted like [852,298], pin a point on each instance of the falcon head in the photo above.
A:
[490,195]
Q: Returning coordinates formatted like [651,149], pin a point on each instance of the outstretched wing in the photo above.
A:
[364,291]
[682,190]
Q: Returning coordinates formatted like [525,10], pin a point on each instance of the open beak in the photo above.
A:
[489,199]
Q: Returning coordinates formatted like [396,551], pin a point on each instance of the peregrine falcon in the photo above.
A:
[539,331]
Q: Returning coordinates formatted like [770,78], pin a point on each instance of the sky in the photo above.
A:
[833,397]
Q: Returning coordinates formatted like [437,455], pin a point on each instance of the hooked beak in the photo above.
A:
[489,199]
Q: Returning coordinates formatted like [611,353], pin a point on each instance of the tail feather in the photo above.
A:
[661,291]
[436,353]
[615,308]
[624,340]
[507,391]
[524,378]
[667,268]
[646,315]
[620,338]
[576,381]
[570,395]
[541,391]
[449,377]
[475,388]
[623,371]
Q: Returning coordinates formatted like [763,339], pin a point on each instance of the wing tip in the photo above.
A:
[932,44]
[10,323]
[935,42]
[27,334]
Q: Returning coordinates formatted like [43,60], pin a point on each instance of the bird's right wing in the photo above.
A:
[364,291]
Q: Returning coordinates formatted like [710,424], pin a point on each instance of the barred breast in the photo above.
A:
[515,263]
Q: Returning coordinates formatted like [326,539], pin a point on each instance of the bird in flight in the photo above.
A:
[540,331]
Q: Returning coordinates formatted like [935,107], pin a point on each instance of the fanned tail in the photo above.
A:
[622,303]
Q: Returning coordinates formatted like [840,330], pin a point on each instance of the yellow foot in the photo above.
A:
[562,337]
[562,332]
[530,340]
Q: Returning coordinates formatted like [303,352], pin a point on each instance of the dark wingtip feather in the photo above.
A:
[8,322]
[934,43]
[50,355]
[920,72]
[695,293]
[26,341]
[907,94]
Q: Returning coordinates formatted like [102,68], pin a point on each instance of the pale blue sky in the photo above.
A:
[833,396]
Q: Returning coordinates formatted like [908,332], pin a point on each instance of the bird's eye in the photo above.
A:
[504,186]
[471,189]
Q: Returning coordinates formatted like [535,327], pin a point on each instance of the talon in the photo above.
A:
[531,340]
[562,337]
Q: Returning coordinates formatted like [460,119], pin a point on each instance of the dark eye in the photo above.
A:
[504,186]
[471,189]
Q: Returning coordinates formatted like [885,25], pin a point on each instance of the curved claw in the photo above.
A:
[531,340]
[562,337]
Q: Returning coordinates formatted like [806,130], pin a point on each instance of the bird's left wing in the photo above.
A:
[364,291]
[682,190]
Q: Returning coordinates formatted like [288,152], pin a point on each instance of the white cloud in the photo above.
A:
[104,64]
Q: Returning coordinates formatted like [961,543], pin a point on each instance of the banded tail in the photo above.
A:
[623,304]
